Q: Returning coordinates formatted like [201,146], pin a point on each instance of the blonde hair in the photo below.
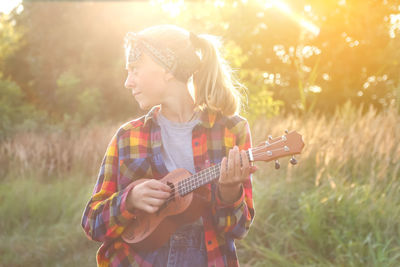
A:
[215,86]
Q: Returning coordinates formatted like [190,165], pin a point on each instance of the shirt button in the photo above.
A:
[196,143]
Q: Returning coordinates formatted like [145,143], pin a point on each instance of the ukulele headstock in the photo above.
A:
[289,144]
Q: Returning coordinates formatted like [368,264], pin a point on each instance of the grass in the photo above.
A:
[40,223]
[340,206]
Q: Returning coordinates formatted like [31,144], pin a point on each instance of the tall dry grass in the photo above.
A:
[55,153]
[350,140]
[368,140]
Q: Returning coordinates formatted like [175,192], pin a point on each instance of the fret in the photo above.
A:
[201,178]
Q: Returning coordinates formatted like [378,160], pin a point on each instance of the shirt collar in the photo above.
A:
[207,117]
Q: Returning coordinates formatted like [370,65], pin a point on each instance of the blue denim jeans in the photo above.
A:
[186,247]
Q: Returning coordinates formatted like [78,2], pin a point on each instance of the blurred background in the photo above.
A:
[328,69]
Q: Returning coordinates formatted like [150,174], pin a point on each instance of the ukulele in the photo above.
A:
[189,196]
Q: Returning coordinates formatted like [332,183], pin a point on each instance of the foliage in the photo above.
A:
[11,38]
[257,97]
[285,66]
[71,101]
[90,103]
[354,56]
[13,109]
[261,103]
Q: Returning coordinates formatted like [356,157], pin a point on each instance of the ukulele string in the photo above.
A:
[266,145]
[201,175]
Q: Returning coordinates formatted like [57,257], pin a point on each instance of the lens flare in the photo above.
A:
[284,8]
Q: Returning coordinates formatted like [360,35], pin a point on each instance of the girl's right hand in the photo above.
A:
[148,196]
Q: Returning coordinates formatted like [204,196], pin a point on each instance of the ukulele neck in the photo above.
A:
[201,178]
[286,145]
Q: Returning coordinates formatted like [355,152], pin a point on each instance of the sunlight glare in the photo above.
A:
[309,26]
[6,6]
[284,8]
[394,24]
[173,8]
[219,3]
[315,89]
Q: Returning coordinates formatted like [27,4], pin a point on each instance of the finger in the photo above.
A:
[246,165]
[231,163]
[237,164]
[222,173]
[158,194]
[155,202]
[155,184]
[150,208]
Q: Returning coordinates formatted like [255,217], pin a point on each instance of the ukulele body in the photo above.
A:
[149,231]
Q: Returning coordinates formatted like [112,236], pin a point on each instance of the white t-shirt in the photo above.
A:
[176,139]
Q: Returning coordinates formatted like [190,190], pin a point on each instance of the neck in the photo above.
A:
[179,105]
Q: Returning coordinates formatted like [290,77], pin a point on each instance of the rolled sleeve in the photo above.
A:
[125,213]
[220,204]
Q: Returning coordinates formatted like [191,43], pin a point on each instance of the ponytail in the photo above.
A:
[215,87]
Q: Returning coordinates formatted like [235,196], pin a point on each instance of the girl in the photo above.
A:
[180,131]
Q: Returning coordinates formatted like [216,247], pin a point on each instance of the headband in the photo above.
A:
[135,45]
[182,64]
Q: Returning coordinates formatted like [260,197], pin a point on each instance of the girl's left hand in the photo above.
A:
[233,174]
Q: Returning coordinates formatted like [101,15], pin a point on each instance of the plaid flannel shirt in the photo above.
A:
[135,152]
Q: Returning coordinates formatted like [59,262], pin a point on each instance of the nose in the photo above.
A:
[130,83]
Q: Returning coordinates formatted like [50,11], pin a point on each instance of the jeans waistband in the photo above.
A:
[188,236]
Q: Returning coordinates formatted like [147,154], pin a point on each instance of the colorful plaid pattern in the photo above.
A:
[135,152]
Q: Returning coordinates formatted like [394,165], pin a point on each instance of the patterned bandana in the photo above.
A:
[136,45]
[181,63]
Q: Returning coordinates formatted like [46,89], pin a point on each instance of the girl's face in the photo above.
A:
[147,80]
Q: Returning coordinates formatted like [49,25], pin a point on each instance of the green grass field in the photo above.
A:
[340,206]
[40,223]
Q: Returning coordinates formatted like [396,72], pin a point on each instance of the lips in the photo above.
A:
[135,93]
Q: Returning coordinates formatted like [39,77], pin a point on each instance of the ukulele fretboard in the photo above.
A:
[201,178]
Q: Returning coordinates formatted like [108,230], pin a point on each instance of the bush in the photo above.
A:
[13,108]
[74,103]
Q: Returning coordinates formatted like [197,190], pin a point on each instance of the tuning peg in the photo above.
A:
[277,164]
[286,131]
[270,137]
[293,161]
